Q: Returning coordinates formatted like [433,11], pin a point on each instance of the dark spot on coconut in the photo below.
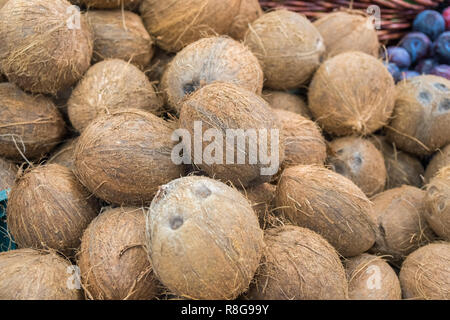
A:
[160,194]
[340,151]
[440,86]
[425,97]
[432,191]
[356,161]
[202,191]
[190,87]
[176,222]
[441,206]
[382,231]
[444,105]
[339,168]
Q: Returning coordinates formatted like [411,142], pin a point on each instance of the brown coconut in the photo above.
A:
[261,197]
[360,161]
[124,157]
[286,101]
[349,30]
[401,226]
[43,50]
[421,119]
[110,86]
[298,264]
[8,171]
[440,160]
[30,126]
[113,259]
[2,3]
[425,274]
[371,278]
[158,65]
[329,204]
[49,208]
[249,11]
[120,35]
[109,4]
[345,100]
[209,60]
[29,274]
[64,154]
[224,106]
[204,239]
[177,23]
[437,203]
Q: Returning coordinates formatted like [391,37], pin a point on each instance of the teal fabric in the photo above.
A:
[6,242]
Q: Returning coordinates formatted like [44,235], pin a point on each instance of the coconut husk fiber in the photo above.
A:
[345,100]
[30,125]
[288,47]
[209,60]
[440,160]
[286,101]
[113,259]
[158,65]
[110,86]
[204,239]
[40,51]
[29,274]
[64,154]
[2,3]
[109,4]
[8,171]
[261,197]
[421,119]
[249,11]
[298,264]
[177,23]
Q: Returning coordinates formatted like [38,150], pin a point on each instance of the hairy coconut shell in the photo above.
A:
[209,60]
[371,278]
[349,30]
[440,160]
[298,264]
[425,273]
[223,106]
[401,226]
[113,260]
[64,154]
[177,23]
[158,65]
[345,100]
[286,101]
[30,126]
[360,161]
[41,51]
[204,239]
[29,274]
[120,35]
[421,119]
[110,86]
[49,208]
[249,11]
[109,4]
[288,47]
[123,158]
[2,3]
[8,171]
[261,197]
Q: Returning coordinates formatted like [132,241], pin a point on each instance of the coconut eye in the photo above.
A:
[339,168]
[190,87]
[425,97]
[440,86]
[444,105]
[176,222]
[340,151]
[202,191]
[357,161]
[432,191]
[441,206]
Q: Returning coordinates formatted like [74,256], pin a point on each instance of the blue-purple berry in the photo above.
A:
[399,56]
[430,22]
[442,47]
[417,44]
[425,66]
[441,70]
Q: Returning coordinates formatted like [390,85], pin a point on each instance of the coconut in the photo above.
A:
[209,60]
[124,157]
[288,47]
[360,161]
[223,107]
[437,203]
[182,22]
[261,197]
[400,217]
[64,155]
[204,239]
[298,264]
[31,125]
[421,119]
[440,160]
[329,204]
[121,35]
[43,49]
[349,30]
[286,101]
[425,274]
[8,172]
[110,86]
[371,278]
[2,3]
[158,65]
[113,260]
[109,4]
[345,100]
[249,11]
[29,274]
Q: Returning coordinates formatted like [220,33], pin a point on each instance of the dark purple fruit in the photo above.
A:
[399,56]
[442,47]
[408,74]
[393,70]
[417,44]
[441,70]
[425,66]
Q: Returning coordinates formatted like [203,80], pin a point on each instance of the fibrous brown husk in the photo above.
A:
[440,160]
[43,49]
[329,204]
[158,65]
[345,100]
[425,273]
[109,4]
[249,11]
[421,118]
[177,23]
[261,197]
[49,208]
[64,154]
[29,274]
[286,101]
[437,203]
[110,86]
[204,239]
[371,278]
[360,161]
[8,171]
[298,264]
[349,30]
[209,60]
[30,126]
[288,47]
[400,218]
[113,259]
[124,157]
[2,3]
[224,106]
[120,35]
